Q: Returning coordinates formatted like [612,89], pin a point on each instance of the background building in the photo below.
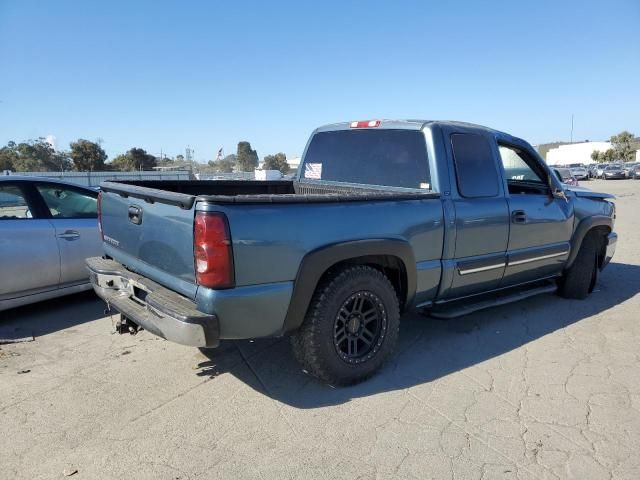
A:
[575,152]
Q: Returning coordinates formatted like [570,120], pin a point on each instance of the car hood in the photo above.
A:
[585,192]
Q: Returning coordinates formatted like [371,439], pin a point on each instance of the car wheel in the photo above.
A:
[580,278]
[351,326]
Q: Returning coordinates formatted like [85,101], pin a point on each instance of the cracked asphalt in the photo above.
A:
[542,389]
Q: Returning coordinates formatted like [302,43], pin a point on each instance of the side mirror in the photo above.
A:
[559,193]
[556,187]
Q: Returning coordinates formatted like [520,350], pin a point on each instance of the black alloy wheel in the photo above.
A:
[359,327]
[351,325]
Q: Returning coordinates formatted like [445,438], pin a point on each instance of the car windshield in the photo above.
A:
[565,173]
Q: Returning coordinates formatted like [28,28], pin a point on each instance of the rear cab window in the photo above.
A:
[378,157]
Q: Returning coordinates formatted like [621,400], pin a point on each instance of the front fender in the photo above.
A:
[585,225]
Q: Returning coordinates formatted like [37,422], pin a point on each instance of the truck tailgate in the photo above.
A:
[151,237]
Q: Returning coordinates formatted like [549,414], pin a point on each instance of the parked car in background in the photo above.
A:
[591,170]
[628,167]
[600,169]
[566,177]
[47,229]
[614,172]
[635,172]
[580,173]
[572,165]
[384,216]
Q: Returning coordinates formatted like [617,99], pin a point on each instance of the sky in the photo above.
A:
[206,74]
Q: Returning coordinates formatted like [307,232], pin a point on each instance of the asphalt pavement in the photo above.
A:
[542,389]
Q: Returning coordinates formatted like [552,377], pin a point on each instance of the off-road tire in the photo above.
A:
[313,343]
[580,278]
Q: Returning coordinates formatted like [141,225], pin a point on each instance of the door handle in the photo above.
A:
[519,216]
[69,235]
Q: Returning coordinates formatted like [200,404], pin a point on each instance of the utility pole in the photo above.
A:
[571,128]
[189,156]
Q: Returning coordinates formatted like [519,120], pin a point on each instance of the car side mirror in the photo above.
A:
[559,193]
[556,187]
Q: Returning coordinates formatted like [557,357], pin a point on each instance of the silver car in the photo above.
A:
[628,168]
[580,173]
[600,170]
[47,229]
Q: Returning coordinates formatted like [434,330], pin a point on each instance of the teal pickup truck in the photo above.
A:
[383,217]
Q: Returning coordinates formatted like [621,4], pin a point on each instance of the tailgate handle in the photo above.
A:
[135,214]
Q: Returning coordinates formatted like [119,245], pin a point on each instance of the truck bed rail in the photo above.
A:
[274,192]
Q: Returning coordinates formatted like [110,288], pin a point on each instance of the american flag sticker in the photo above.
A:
[313,170]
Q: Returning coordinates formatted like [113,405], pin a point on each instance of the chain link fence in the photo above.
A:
[93,179]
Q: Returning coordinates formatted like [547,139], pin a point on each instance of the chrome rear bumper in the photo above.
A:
[155,308]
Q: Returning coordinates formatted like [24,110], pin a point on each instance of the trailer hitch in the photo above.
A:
[126,325]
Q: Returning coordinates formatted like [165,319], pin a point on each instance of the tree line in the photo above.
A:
[246,160]
[623,149]
[85,155]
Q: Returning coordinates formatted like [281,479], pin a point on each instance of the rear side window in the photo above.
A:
[475,167]
[393,158]
[13,204]
[64,202]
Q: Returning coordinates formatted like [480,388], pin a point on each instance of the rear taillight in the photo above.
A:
[100,215]
[365,124]
[212,250]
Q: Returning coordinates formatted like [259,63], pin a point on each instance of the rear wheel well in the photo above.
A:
[391,266]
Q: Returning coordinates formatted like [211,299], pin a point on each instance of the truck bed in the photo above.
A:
[184,193]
